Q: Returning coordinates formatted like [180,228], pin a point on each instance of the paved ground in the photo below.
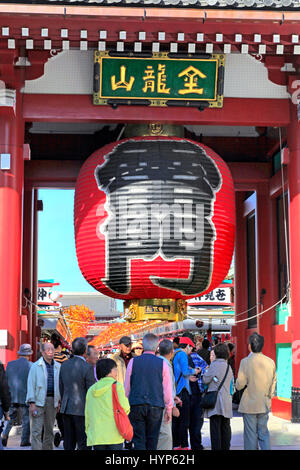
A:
[284,435]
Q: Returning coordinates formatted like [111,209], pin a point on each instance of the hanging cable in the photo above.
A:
[284,217]
[261,313]
[254,316]
[92,322]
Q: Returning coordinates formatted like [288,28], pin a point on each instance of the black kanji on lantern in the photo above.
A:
[160,196]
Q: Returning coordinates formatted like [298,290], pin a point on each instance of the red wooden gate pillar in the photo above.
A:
[239,331]
[27,271]
[11,202]
[293,142]
[266,266]
[36,333]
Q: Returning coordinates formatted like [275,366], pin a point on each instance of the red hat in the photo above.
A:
[186,340]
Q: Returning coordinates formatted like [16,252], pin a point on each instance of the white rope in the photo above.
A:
[49,311]
[284,214]
[254,316]
[261,313]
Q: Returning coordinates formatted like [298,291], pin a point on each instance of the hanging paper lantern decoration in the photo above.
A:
[154,218]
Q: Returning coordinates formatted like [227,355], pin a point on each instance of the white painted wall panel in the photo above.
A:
[246,77]
[71,72]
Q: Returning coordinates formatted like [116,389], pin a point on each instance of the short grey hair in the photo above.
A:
[165,347]
[43,346]
[150,342]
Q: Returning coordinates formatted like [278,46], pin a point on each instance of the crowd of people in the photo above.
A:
[163,387]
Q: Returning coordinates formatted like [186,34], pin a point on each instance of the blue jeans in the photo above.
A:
[256,433]
[146,421]
[13,410]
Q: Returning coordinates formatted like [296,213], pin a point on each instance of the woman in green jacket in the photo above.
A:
[100,426]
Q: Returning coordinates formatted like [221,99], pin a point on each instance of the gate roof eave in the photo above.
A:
[64,27]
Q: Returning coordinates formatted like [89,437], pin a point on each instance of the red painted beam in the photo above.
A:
[51,173]
[246,176]
[277,185]
[79,108]
[63,174]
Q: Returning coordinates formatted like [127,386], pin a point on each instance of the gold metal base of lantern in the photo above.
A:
[155,309]
[153,129]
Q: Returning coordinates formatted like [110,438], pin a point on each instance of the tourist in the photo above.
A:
[204,351]
[196,412]
[220,415]
[165,439]
[17,374]
[137,348]
[122,357]
[100,426]
[176,342]
[76,377]
[60,357]
[4,398]
[183,374]
[92,357]
[257,373]
[231,360]
[149,389]
[43,398]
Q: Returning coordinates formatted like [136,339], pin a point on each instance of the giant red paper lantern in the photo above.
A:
[154,218]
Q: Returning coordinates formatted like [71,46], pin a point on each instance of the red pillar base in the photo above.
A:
[282,408]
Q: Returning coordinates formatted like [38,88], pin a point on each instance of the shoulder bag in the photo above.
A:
[121,419]
[209,399]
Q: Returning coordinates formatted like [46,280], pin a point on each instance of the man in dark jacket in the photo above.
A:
[4,397]
[183,376]
[17,374]
[148,387]
[76,377]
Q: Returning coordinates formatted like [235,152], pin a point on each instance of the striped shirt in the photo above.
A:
[60,357]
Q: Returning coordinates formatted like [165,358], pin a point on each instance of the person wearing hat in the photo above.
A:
[122,357]
[17,374]
[137,348]
[183,375]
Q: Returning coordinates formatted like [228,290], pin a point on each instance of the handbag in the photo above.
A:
[237,396]
[121,419]
[209,399]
